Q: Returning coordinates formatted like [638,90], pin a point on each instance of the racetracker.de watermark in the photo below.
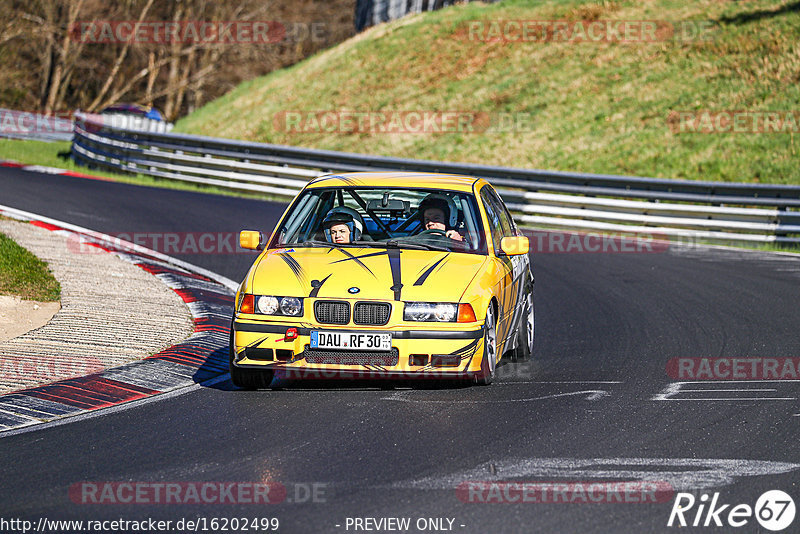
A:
[401,122]
[206,492]
[163,242]
[700,368]
[47,370]
[14,122]
[587,31]
[554,242]
[586,492]
[246,32]
[439,367]
[734,121]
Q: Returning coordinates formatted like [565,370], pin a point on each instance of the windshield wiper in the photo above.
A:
[318,243]
[313,243]
[413,246]
[371,244]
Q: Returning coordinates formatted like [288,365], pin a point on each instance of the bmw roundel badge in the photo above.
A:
[353,290]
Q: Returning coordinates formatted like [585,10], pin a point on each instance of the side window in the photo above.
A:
[495,223]
[509,228]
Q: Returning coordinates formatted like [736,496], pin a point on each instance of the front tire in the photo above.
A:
[489,361]
[247,378]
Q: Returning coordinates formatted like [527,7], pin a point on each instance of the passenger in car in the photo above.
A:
[343,225]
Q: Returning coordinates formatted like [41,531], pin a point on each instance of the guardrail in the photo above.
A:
[136,122]
[713,211]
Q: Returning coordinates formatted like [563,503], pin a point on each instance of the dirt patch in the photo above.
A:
[19,316]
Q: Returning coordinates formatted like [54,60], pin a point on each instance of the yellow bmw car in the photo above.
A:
[385,275]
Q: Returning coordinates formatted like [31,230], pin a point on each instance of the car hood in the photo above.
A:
[377,273]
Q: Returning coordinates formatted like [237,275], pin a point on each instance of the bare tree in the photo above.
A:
[44,66]
[118,63]
[66,13]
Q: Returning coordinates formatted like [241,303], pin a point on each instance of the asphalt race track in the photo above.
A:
[597,403]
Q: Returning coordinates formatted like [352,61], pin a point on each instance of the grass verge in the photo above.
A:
[24,275]
[30,152]
[597,107]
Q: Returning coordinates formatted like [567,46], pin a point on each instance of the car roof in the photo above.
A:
[453,182]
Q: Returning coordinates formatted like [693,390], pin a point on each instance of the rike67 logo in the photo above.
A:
[774,510]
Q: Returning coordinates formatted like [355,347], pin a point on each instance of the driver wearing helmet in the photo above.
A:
[439,212]
[342,225]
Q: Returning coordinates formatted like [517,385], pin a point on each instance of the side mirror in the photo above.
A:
[251,239]
[514,246]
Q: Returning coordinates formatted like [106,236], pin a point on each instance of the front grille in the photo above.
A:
[371,313]
[352,357]
[332,312]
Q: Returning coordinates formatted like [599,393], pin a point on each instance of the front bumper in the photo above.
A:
[425,352]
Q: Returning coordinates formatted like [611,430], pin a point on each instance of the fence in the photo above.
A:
[710,211]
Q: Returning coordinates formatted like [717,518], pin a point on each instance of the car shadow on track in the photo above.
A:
[350,384]
[216,365]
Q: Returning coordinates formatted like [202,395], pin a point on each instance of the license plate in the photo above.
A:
[350,340]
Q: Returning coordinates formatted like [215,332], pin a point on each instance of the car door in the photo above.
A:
[501,226]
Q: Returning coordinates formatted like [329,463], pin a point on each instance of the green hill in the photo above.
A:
[601,107]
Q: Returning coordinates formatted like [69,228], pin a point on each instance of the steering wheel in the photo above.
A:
[434,231]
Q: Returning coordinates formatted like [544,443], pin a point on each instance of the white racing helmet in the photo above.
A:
[346,216]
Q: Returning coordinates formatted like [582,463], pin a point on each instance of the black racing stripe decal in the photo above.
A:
[253,345]
[463,353]
[257,343]
[426,267]
[433,264]
[394,265]
[357,259]
[346,179]
[334,177]
[467,350]
[475,343]
[296,268]
[427,273]
[352,257]
[518,317]
[316,284]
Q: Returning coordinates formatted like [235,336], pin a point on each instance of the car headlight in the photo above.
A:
[267,305]
[271,305]
[291,306]
[446,312]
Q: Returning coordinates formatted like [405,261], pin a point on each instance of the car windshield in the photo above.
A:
[384,217]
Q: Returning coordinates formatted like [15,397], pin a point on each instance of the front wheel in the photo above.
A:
[489,361]
[247,378]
